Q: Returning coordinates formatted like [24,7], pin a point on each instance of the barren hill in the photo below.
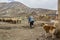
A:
[14,9]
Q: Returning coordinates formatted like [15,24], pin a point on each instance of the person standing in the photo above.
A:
[31,21]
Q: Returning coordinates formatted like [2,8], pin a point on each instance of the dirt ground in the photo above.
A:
[22,32]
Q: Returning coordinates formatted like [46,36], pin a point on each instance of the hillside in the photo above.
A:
[14,9]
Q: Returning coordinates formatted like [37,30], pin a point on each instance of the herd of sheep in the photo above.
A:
[10,20]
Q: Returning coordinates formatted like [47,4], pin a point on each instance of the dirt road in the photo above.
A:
[19,32]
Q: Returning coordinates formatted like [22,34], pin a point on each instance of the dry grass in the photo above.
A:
[21,32]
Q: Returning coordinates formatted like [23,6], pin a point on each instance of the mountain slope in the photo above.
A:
[14,9]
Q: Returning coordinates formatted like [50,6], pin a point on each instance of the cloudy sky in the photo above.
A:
[47,4]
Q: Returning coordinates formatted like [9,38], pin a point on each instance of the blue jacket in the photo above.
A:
[31,19]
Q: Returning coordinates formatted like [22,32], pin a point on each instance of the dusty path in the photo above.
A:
[21,32]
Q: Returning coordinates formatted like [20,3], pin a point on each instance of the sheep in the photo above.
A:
[14,20]
[1,19]
[50,29]
[6,20]
[55,22]
[19,20]
[11,20]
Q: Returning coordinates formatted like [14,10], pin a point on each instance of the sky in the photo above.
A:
[47,4]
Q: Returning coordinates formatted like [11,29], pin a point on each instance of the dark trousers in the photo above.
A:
[31,24]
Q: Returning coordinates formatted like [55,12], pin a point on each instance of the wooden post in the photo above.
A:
[59,13]
[58,26]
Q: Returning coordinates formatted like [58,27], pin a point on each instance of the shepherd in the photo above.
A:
[31,21]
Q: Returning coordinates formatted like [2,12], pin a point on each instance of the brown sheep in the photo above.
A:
[1,19]
[14,20]
[50,29]
[11,20]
